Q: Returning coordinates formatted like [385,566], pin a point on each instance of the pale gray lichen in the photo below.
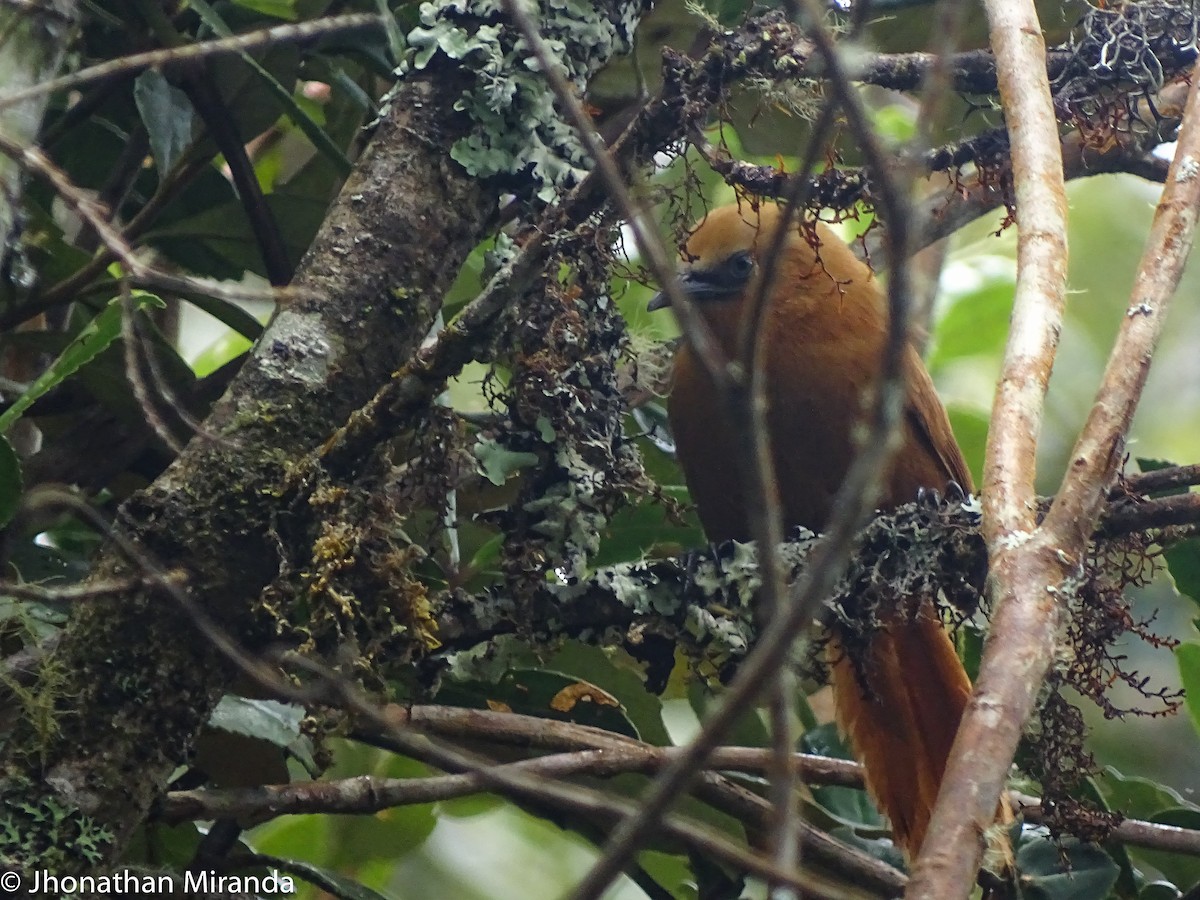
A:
[517,130]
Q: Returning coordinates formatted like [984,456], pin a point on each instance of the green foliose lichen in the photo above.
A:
[42,832]
[516,128]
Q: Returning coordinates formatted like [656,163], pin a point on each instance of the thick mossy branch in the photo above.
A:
[137,680]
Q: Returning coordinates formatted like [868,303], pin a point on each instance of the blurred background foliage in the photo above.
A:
[150,148]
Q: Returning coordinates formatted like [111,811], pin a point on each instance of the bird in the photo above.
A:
[824,329]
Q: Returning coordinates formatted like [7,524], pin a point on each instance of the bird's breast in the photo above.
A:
[814,404]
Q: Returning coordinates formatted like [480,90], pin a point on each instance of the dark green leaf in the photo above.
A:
[1088,874]
[850,806]
[269,720]
[278,82]
[1160,890]
[1188,657]
[11,482]
[168,116]
[87,345]
[882,849]
[1134,796]
[328,881]
[1183,563]
[593,664]
[547,694]
[279,9]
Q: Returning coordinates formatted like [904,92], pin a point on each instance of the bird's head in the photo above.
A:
[722,254]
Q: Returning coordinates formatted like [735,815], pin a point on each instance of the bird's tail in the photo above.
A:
[903,722]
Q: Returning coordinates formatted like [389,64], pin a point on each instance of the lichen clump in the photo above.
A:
[516,129]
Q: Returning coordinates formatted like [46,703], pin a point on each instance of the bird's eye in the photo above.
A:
[740,265]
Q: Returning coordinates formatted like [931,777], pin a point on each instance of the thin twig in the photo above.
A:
[133,370]
[367,794]
[174,57]
[568,798]
[81,592]
[1172,478]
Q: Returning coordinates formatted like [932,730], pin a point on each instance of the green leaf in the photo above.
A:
[324,145]
[971,429]
[850,806]
[1132,795]
[1183,564]
[1176,867]
[225,348]
[87,345]
[1088,874]
[605,670]
[881,848]
[224,232]
[11,482]
[279,9]
[330,882]
[1160,890]
[547,694]
[228,313]
[268,720]
[671,871]
[168,116]
[748,730]
[976,325]
[1188,657]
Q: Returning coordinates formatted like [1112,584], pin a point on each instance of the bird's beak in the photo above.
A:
[692,285]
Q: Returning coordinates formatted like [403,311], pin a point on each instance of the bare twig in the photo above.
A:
[367,794]
[1171,478]
[133,371]
[80,592]
[173,57]
[1163,512]
[567,798]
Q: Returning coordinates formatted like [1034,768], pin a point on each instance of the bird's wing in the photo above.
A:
[930,425]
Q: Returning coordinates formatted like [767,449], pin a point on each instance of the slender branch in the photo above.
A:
[1040,296]
[568,798]
[1171,478]
[1100,448]
[1164,512]
[367,794]
[81,592]
[176,57]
